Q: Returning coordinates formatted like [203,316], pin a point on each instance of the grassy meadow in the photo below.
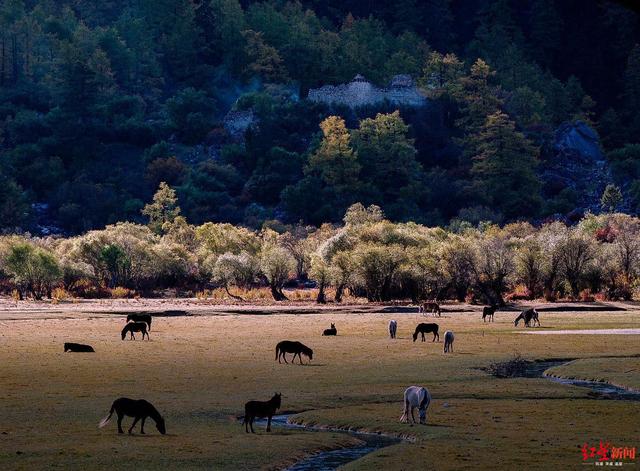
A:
[199,370]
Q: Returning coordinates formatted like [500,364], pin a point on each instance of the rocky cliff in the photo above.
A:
[575,161]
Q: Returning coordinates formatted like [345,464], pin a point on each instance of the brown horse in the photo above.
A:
[488,311]
[261,409]
[527,316]
[132,327]
[423,328]
[434,308]
[139,410]
[331,331]
[77,347]
[297,348]
[140,318]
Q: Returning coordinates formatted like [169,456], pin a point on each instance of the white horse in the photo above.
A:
[416,396]
[448,341]
[393,327]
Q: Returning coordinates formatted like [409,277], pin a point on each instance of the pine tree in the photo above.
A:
[441,72]
[546,31]
[335,161]
[632,91]
[504,167]
[632,80]
[387,154]
[265,60]
[478,98]
[164,208]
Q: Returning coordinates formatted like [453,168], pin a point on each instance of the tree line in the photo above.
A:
[366,256]
[101,101]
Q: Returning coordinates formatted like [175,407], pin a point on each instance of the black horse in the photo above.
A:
[297,348]
[261,409]
[140,318]
[77,347]
[423,328]
[331,331]
[132,327]
[139,410]
[488,311]
[527,316]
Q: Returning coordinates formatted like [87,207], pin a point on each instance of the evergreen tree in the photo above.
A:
[335,161]
[441,72]
[476,96]
[632,92]
[387,154]
[546,32]
[504,167]
[264,60]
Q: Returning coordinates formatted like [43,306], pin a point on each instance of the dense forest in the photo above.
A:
[101,102]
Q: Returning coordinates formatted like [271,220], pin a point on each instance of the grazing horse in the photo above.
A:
[416,396]
[261,409]
[433,308]
[331,331]
[77,347]
[527,316]
[132,327]
[393,327]
[488,311]
[297,348]
[140,318]
[448,341]
[424,329]
[139,410]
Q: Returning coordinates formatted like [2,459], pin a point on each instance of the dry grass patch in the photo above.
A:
[200,370]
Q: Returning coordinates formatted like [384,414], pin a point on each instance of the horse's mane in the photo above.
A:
[277,400]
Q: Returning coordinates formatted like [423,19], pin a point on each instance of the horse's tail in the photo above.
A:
[405,413]
[106,420]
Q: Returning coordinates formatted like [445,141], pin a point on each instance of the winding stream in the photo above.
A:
[333,459]
[370,442]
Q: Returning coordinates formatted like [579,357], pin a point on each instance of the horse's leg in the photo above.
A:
[246,424]
[284,357]
[269,424]
[413,417]
[120,423]
[135,421]
[251,425]
[300,357]
[142,425]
